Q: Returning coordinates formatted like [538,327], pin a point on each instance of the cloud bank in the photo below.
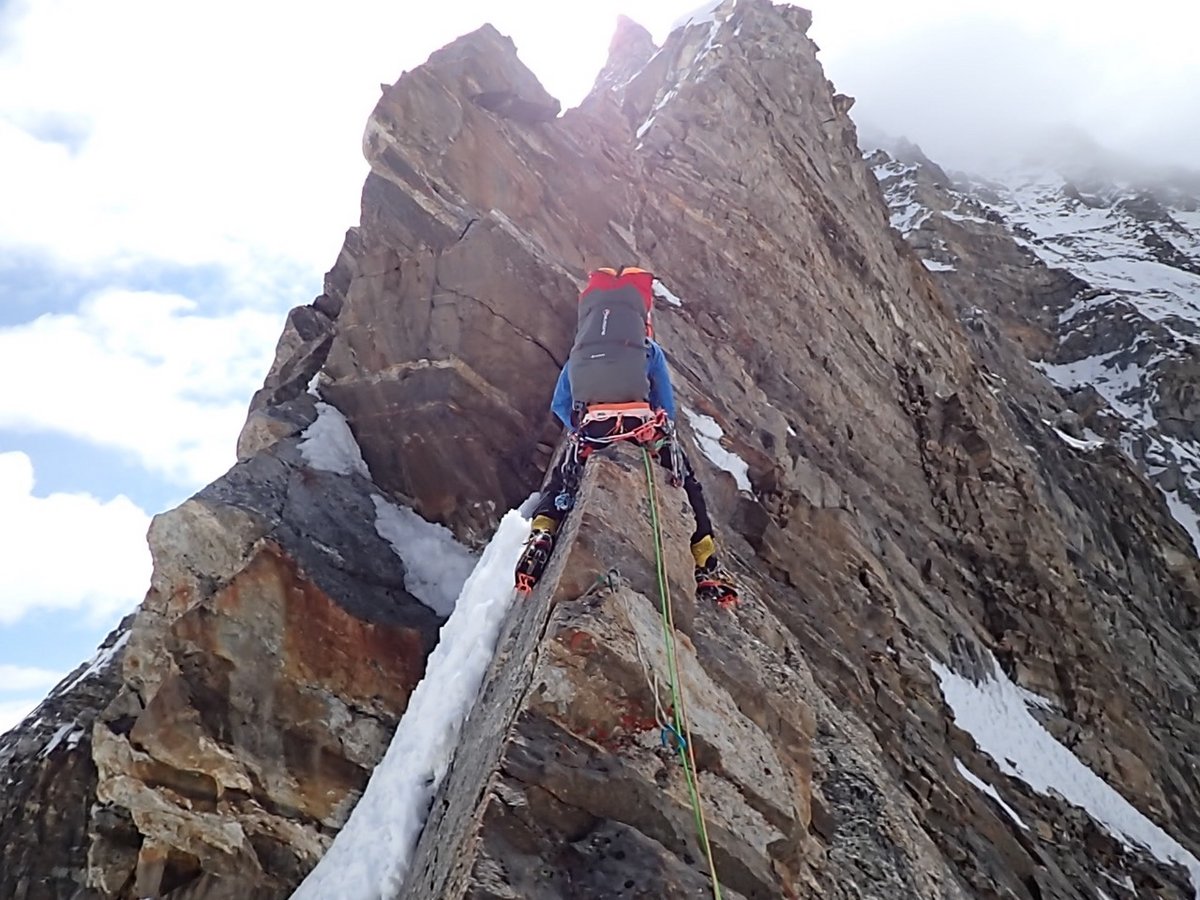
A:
[66,551]
[972,82]
[144,373]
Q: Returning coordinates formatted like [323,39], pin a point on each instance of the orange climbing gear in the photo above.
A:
[635,422]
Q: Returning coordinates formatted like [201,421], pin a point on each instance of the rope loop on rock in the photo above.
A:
[680,729]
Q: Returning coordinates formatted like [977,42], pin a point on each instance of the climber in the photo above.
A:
[614,387]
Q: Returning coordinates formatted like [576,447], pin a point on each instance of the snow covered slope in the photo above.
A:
[1125,340]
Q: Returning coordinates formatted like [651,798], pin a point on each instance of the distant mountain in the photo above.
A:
[1121,336]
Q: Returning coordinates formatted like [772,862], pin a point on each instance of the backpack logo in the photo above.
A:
[604,323]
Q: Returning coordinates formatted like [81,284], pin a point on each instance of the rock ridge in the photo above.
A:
[894,485]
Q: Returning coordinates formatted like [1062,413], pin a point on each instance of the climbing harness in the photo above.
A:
[680,730]
[625,422]
[617,422]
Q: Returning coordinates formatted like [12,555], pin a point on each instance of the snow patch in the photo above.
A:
[909,218]
[708,436]
[70,732]
[314,384]
[955,216]
[97,664]
[436,565]
[994,712]
[934,266]
[1075,442]
[1185,516]
[667,98]
[1116,381]
[892,169]
[662,292]
[329,444]
[371,855]
[989,790]
[1084,305]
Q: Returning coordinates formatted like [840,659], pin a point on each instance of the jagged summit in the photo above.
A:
[965,663]
[630,49]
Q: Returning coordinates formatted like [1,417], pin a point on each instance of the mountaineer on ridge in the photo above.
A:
[616,387]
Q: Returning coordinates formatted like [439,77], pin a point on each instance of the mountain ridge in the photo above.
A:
[917,536]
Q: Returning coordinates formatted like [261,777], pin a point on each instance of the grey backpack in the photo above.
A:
[608,360]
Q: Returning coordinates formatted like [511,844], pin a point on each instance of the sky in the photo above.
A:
[177,176]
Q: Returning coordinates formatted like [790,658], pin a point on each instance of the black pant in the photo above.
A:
[566,476]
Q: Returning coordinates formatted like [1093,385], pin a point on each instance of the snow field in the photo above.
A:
[996,714]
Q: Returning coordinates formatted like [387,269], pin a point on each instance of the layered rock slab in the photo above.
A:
[263,676]
[48,772]
[563,786]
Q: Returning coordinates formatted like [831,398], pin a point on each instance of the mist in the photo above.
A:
[978,88]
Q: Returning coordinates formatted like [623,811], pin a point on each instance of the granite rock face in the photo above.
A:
[888,475]
[224,733]
[263,676]
[580,795]
[48,777]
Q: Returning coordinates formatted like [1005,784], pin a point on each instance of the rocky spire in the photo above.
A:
[628,52]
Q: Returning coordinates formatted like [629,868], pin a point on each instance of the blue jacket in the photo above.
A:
[661,394]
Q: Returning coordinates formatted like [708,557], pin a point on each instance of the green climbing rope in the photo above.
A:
[686,756]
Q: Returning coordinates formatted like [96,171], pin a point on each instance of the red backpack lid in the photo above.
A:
[606,278]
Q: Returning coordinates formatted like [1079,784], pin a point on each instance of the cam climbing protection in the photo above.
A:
[681,730]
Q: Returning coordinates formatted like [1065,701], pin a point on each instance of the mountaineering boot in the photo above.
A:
[713,583]
[536,555]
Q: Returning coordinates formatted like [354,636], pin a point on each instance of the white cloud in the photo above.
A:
[202,134]
[12,712]
[963,77]
[140,372]
[229,133]
[225,132]
[67,551]
[26,678]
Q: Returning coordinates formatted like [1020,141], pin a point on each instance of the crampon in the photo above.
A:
[533,561]
[715,585]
